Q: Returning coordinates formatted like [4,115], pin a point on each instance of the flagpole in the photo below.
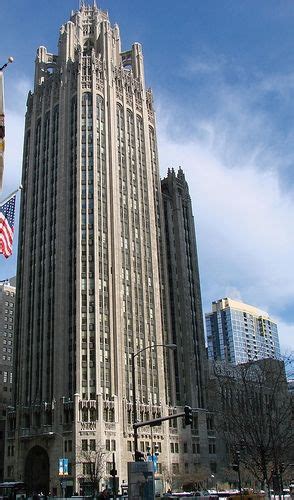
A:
[10,195]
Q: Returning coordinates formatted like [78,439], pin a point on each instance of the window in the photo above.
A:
[194,422]
[213,467]
[107,444]
[10,471]
[210,422]
[196,448]
[84,444]
[87,467]
[211,447]
[175,468]
[92,444]
[185,448]
[68,445]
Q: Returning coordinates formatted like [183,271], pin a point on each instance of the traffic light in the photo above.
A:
[188,415]
[139,456]
[236,464]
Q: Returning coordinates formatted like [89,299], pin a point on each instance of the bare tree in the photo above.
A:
[93,464]
[255,416]
[189,481]
[197,479]
[167,476]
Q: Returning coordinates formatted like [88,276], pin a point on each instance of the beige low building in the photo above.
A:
[7,319]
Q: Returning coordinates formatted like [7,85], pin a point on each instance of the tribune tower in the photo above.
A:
[90,276]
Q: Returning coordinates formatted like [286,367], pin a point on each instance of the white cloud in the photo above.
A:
[280,83]
[286,335]
[15,100]
[202,63]
[243,218]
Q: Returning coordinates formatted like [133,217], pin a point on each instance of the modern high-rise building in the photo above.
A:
[7,319]
[238,333]
[92,284]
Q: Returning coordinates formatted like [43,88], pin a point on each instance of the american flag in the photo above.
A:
[126,58]
[7,211]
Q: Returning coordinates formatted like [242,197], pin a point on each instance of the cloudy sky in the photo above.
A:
[222,73]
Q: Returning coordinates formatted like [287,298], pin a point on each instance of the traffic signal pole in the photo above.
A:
[156,421]
[187,413]
[236,467]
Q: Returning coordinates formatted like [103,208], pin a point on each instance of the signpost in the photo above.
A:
[62,472]
[154,459]
[63,467]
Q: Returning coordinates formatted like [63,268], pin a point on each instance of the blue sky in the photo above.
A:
[222,73]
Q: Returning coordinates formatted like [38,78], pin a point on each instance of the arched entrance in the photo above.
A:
[37,472]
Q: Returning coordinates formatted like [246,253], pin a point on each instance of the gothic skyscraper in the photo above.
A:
[91,266]
[186,319]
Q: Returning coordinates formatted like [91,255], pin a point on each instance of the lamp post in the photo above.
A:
[9,60]
[134,354]
[51,433]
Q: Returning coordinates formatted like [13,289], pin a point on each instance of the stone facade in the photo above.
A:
[92,269]
[7,308]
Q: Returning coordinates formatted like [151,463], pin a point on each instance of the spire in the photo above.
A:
[181,175]
[82,4]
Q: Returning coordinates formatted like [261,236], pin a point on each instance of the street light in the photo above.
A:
[134,354]
[51,433]
[9,60]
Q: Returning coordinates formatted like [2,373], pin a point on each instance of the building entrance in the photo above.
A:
[37,471]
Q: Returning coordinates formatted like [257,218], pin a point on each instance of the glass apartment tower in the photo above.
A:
[91,266]
[238,333]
